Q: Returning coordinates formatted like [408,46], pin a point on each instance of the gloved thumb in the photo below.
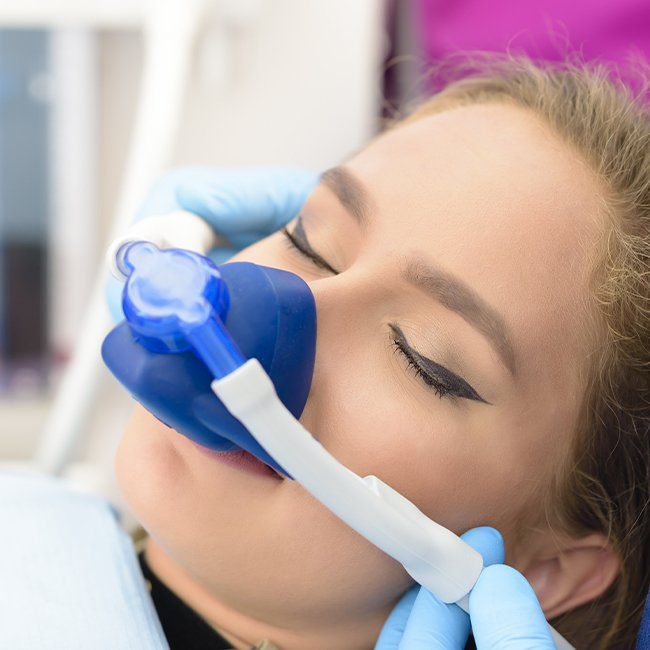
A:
[505,612]
[253,200]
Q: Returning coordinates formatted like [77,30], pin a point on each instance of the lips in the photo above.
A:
[242,460]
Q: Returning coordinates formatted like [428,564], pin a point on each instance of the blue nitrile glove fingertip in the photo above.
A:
[288,205]
[241,201]
[506,613]
[161,198]
[488,542]
[393,629]
[431,623]
[201,201]
[434,624]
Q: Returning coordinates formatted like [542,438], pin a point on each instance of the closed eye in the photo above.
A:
[440,379]
[435,376]
[298,240]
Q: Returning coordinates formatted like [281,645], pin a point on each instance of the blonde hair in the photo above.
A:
[605,485]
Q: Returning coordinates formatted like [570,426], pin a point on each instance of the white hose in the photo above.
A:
[435,557]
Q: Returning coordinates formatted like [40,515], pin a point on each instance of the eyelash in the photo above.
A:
[425,377]
[296,245]
[438,387]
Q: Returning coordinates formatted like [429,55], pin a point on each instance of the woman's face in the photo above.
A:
[451,281]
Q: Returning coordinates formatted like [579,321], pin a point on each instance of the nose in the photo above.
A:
[348,308]
[345,303]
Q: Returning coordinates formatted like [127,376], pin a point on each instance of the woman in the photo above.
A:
[481,280]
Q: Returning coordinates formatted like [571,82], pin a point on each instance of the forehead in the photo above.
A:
[491,194]
[490,165]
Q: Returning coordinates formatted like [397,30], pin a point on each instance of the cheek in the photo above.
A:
[365,419]
[458,464]
[227,531]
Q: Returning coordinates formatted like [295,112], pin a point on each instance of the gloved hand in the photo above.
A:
[504,610]
[242,205]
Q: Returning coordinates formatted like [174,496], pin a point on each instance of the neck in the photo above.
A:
[242,631]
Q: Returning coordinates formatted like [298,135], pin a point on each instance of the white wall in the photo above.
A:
[299,84]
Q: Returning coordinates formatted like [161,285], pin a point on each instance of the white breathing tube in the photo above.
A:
[433,556]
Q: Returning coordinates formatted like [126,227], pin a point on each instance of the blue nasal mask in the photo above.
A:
[225,355]
[177,305]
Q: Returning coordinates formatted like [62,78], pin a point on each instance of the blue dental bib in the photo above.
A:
[268,314]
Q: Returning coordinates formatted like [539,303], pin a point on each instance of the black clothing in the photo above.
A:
[183,627]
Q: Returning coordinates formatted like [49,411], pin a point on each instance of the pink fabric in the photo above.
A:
[608,30]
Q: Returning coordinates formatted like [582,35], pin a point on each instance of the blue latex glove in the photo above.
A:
[242,205]
[504,611]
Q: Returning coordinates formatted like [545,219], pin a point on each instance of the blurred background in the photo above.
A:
[251,82]
[98,97]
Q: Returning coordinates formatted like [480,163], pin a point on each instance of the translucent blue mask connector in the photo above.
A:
[176,300]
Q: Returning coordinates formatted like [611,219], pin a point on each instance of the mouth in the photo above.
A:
[241,460]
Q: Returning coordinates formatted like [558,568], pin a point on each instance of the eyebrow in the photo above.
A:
[457,296]
[349,191]
[447,288]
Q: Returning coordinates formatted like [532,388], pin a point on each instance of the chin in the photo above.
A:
[172,485]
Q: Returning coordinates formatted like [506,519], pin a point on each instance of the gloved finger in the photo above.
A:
[246,200]
[505,612]
[434,624]
[421,612]
[161,198]
[488,542]
[393,629]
